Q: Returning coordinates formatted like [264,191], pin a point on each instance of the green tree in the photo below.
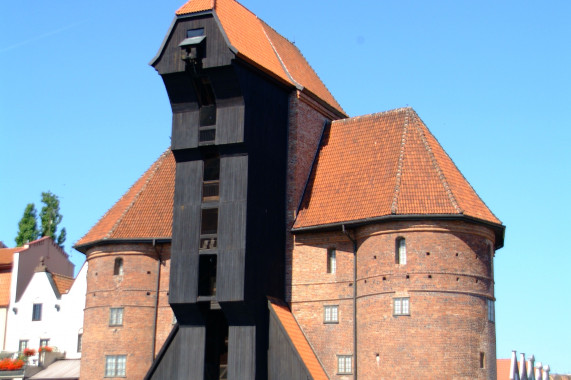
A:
[51,218]
[28,226]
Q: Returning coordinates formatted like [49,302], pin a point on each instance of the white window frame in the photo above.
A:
[331,314]
[115,365]
[401,250]
[344,364]
[116,316]
[401,306]
[37,312]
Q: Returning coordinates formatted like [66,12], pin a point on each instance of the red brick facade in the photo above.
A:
[135,291]
[447,279]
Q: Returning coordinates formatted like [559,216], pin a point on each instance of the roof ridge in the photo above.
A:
[60,275]
[372,115]
[436,166]
[153,171]
[394,205]
[282,63]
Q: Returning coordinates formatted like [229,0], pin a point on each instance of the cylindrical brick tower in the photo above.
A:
[124,326]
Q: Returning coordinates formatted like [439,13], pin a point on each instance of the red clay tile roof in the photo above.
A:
[385,164]
[5,281]
[7,254]
[262,46]
[298,339]
[503,369]
[144,212]
[63,283]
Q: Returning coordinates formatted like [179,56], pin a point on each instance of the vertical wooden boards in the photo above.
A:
[186,231]
[232,228]
[242,352]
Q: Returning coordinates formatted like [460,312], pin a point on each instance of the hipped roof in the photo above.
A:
[260,45]
[144,212]
[381,165]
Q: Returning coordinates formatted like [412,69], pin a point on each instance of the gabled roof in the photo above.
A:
[385,164]
[260,45]
[144,212]
[298,340]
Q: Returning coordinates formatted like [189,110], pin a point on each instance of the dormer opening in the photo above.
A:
[207,109]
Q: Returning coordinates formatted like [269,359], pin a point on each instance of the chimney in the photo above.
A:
[530,367]
[514,375]
[546,372]
[522,367]
[538,373]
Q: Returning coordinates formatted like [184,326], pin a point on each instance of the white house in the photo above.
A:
[49,312]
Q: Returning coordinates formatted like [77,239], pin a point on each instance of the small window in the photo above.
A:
[118,268]
[22,345]
[195,32]
[115,365]
[79,342]
[401,306]
[116,316]
[400,251]
[344,364]
[211,180]
[331,260]
[44,342]
[331,314]
[491,311]
[209,228]
[482,360]
[207,275]
[37,312]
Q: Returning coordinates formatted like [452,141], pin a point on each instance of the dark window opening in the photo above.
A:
[209,228]
[216,353]
[118,268]
[207,275]
[482,360]
[195,32]
[207,135]
[79,341]
[207,115]
[37,312]
[211,180]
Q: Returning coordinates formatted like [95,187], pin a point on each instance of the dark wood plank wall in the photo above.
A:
[182,360]
[217,51]
[232,228]
[242,353]
[186,233]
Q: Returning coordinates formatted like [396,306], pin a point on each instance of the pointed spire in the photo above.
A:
[546,372]
[538,372]
[530,368]
[522,367]
[514,375]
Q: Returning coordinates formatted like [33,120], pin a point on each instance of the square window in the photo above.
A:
[401,306]
[331,260]
[116,316]
[115,365]
[331,314]
[37,312]
[344,364]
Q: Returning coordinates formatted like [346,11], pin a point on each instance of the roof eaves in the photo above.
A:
[154,240]
[223,32]
[498,228]
[282,63]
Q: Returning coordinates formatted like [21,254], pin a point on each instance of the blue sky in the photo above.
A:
[83,115]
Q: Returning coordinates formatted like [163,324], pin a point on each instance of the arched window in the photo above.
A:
[400,251]
[118,269]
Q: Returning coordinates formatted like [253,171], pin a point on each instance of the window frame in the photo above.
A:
[491,310]
[37,312]
[331,260]
[342,364]
[112,368]
[400,251]
[400,302]
[23,344]
[116,315]
[79,342]
[118,269]
[333,316]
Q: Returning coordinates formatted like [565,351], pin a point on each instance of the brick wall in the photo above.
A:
[305,124]
[135,291]
[446,277]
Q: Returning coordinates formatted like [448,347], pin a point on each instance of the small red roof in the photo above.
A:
[144,212]
[262,46]
[381,165]
[298,339]
[63,283]
[5,282]
[7,254]
[503,369]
